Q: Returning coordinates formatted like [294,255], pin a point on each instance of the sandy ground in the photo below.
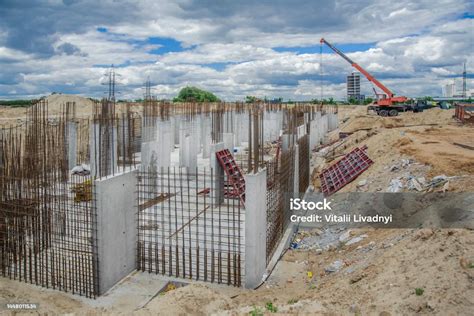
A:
[428,140]
[387,272]
[379,276]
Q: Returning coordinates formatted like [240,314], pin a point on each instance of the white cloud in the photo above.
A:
[417,45]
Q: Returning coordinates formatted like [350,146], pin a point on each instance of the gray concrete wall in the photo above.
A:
[296,170]
[116,227]
[313,134]
[228,139]
[71,145]
[255,228]
[333,121]
[94,137]
[149,156]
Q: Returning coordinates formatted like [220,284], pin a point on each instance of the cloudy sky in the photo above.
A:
[232,48]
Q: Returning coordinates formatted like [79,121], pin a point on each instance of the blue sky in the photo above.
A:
[234,49]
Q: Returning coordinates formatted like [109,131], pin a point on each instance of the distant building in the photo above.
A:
[449,90]
[353,87]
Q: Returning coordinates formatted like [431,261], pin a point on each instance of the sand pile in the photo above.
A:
[194,299]
[358,119]
[84,106]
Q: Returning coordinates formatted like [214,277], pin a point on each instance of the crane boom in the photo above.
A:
[389,99]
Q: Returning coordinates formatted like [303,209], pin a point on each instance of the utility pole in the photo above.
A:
[464,85]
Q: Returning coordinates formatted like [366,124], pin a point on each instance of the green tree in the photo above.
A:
[193,94]
[353,100]
[329,101]
[368,100]
[251,99]
[17,103]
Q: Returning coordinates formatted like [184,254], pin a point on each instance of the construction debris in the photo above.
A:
[81,170]
[395,186]
[335,266]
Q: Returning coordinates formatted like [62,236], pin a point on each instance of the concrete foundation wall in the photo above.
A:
[228,139]
[116,227]
[255,228]
[333,121]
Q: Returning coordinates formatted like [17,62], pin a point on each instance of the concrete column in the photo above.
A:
[218,177]
[243,130]
[98,140]
[71,144]
[165,144]
[206,139]
[285,142]
[255,228]
[149,156]
[228,139]
[296,171]
[176,125]
[172,132]
[333,121]
[196,132]
[183,132]
[313,135]
[324,123]
[301,131]
[116,241]
[189,152]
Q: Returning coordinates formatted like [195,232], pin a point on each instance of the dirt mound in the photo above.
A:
[193,299]
[358,119]
[389,272]
[84,106]
[431,140]
[441,148]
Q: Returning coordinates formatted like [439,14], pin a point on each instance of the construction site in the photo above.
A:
[193,196]
[159,207]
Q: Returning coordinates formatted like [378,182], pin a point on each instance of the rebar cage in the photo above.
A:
[187,228]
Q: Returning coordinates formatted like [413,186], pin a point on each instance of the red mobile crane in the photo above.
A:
[386,105]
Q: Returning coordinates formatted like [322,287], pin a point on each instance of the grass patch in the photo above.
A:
[293,301]
[270,307]
[419,291]
[471,265]
[256,311]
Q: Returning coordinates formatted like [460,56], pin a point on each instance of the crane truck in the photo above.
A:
[386,104]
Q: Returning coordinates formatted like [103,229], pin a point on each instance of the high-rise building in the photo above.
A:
[353,86]
[450,90]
